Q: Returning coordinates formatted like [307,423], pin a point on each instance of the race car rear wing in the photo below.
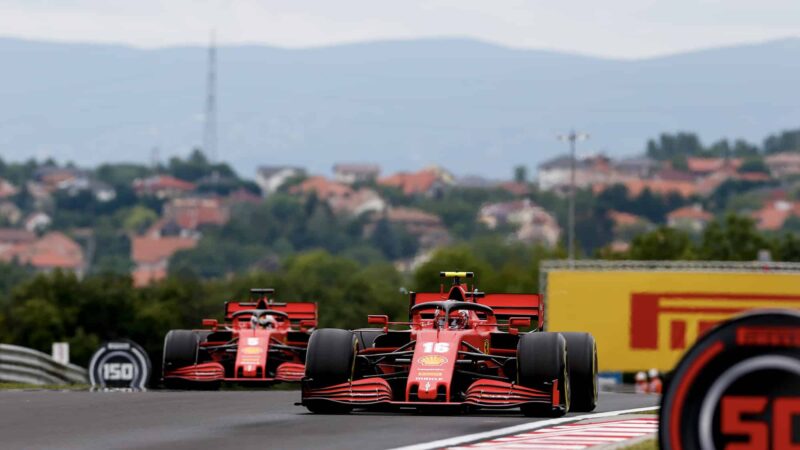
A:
[300,313]
[505,306]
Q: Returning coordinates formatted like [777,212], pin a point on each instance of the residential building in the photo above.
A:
[322,188]
[705,166]
[556,174]
[162,186]
[52,251]
[356,173]
[190,213]
[37,222]
[428,182]
[151,256]
[272,178]
[7,189]
[691,218]
[635,167]
[533,223]
[773,215]
[10,214]
[358,202]
[782,165]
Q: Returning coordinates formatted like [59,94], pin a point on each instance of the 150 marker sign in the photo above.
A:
[119,364]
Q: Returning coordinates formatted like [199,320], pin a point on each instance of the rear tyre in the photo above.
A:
[329,361]
[582,363]
[542,358]
[180,350]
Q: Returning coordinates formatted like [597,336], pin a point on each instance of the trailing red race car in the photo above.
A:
[463,349]
[261,341]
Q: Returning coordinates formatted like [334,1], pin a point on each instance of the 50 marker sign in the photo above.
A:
[738,388]
[119,365]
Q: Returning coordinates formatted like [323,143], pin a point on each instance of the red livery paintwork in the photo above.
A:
[459,350]
[243,350]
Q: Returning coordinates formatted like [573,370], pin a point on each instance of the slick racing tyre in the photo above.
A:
[542,358]
[582,368]
[329,361]
[180,349]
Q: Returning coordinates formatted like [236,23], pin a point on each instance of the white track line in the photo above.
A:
[458,440]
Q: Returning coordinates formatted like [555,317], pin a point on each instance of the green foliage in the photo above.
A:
[754,164]
[786,141]
[677,147]
[197,166]
[662,244]
[669,146]
[499,266]
[733,239]
[521,174]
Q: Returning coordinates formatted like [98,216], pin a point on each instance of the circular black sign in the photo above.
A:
[737,387]
[119,364]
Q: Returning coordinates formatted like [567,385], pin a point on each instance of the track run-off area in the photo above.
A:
[243,420]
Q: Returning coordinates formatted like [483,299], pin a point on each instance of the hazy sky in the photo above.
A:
[615,28]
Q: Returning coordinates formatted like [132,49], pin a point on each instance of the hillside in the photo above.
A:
[400,104]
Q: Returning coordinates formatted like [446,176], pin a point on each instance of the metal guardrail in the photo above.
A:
[25,365]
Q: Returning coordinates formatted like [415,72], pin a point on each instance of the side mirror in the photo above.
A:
[381,320]
[519,322]
[307,324]
[211,323]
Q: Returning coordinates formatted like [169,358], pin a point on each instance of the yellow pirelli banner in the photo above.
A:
[646,318]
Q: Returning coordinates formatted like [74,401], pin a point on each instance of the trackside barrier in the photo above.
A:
[25,365]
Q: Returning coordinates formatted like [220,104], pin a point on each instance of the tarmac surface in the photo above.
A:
[230,419]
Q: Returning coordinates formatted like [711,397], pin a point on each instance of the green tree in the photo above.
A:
[662,244]
[521,174]
[735,238]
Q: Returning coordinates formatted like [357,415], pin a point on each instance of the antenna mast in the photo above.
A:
[210,128]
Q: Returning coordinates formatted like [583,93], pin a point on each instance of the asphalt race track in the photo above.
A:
[228,419]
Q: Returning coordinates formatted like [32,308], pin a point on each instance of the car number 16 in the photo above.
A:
[437,347]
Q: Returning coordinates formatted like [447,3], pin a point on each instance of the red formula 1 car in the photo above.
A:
[261,341]
[463,349]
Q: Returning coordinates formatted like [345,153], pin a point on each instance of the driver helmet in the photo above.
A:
[267,321]
[440,320]
[459,321]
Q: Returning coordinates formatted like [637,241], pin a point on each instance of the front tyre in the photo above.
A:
[582,362]
[541,359]
[329,361]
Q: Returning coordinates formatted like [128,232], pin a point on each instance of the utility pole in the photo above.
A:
[572,137]
[210,127]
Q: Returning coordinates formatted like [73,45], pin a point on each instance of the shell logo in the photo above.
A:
[432,360]
[251,350]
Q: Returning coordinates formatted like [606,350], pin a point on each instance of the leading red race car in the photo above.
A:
[463,349]
[261,341]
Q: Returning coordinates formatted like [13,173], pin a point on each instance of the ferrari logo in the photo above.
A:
[486,346]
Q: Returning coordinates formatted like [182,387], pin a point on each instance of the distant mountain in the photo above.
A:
[476,107]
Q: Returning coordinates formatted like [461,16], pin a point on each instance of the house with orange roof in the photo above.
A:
[151,256]
[190,213]
[322,187]
[773,215]
[428,182]
[52,251]
[162,186]
[705,166]
[692,218]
